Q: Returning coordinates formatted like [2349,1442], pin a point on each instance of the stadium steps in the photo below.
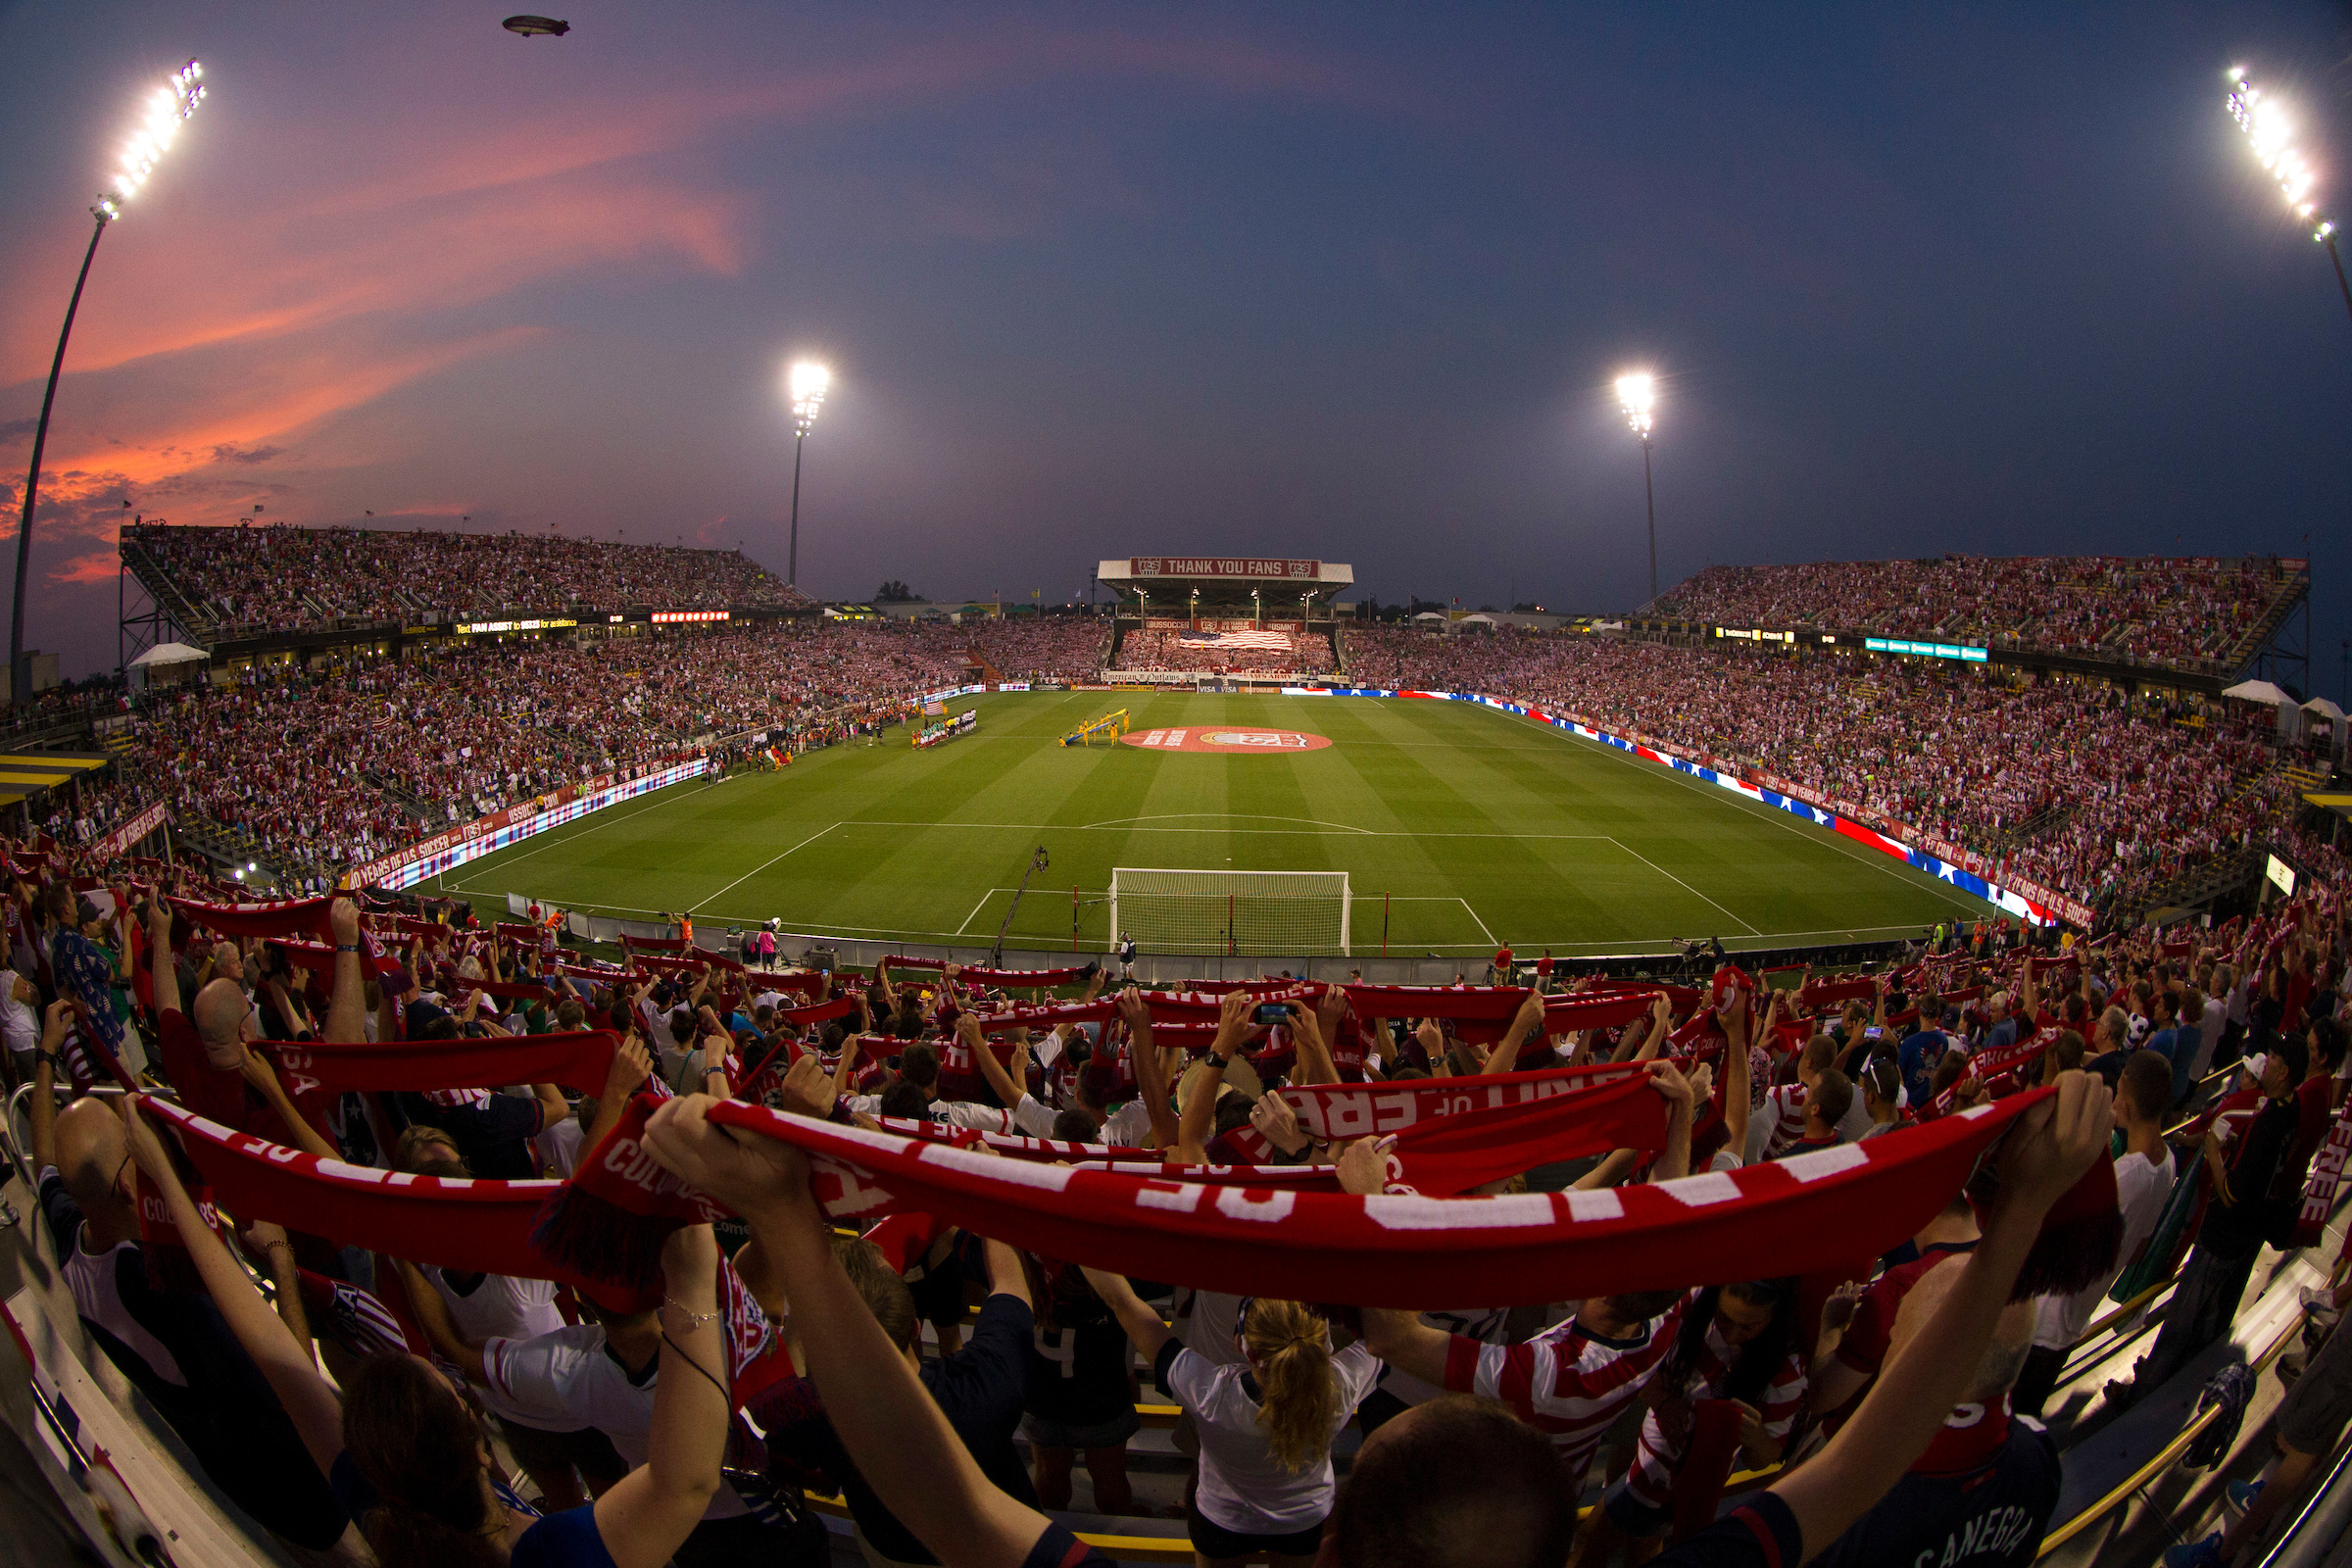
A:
[158,583]
[2193,889]
[2037,826]
[2303,778]
[2259,635]
[399,796]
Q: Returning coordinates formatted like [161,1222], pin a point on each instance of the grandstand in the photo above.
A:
[1201,618]
[2188,615]
[244,582]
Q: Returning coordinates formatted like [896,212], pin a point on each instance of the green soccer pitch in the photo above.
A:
[1459,826]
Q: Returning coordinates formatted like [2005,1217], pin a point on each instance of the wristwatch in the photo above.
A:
[1217,1061]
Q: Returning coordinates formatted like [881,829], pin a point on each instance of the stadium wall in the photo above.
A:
[2046,909]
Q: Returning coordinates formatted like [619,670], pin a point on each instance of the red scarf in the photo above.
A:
[2326,1178]
[299,917]
[575,1060]
[1987,1066]
[474,1226]
[802,1017]
[1437,1156]
[1006,979]
[1813,1212]
[1482,1014]
[610,1220]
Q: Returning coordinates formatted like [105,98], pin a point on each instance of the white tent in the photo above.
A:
[2260,691]
[2326,709]
[1474,618]
[1431,614]
[169,654]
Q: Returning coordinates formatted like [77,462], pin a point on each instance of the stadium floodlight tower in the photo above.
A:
[167,109]
[807,382]
[2270,130]
[1638,395]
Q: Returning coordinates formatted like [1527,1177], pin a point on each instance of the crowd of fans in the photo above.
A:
[335,765]
[249,579]
[2182,612]
[591,1425]
[2092,793]
[1158,649]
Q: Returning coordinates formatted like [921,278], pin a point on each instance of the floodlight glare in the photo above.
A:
[167,108]
[808,383]
[2270,130]
[1637,394]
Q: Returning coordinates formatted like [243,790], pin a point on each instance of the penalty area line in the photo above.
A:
[1684,886]
[764,864]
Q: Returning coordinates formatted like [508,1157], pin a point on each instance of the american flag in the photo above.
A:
[1272,642]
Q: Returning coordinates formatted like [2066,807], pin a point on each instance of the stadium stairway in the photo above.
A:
[158,583]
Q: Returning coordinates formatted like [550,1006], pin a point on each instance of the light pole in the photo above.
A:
[170,105]
[808,383]
[1638,395]
[2270,130]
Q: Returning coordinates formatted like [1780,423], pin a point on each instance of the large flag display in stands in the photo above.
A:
[1271,642]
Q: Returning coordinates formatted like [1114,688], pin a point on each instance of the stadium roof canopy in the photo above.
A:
[1226,575]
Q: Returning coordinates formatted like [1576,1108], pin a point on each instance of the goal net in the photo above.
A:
[1243,913]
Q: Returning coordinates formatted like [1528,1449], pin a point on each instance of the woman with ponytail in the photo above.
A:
[406,1456]
[1265,1423]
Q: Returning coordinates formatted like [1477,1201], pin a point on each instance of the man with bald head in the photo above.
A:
[208,1057]
[173,1344]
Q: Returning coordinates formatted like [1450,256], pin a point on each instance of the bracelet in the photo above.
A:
[347,947]
[694,1320]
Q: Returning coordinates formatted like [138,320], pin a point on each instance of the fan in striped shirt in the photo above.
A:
[1739,1343]
[1785,1105]
[1569,1382]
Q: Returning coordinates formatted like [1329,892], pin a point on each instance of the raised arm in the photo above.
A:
[1674,1162]
[1312,1030]
[1736,1077]
[1150,1073]
[1145,1331]
[901,1441]
[160,968]
[43,1100]
[1000,1081]
[649,1512]
[310,1400]
[844,1074]
[1530,1020]
[1201,1111]
[2046,1151]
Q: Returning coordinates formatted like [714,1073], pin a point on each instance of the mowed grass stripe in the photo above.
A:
[1542,833]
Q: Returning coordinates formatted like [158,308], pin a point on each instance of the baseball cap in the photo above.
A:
[2256,1065]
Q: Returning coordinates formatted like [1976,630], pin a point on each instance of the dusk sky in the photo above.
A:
[1333,282]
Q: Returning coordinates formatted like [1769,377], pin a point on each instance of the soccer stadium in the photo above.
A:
[531,1046]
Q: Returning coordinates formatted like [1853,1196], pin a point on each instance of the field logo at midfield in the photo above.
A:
[1216,738]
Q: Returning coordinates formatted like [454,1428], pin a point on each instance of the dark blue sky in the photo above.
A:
[1324,282]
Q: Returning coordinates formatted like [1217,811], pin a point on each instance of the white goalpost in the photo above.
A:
[1239,913]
